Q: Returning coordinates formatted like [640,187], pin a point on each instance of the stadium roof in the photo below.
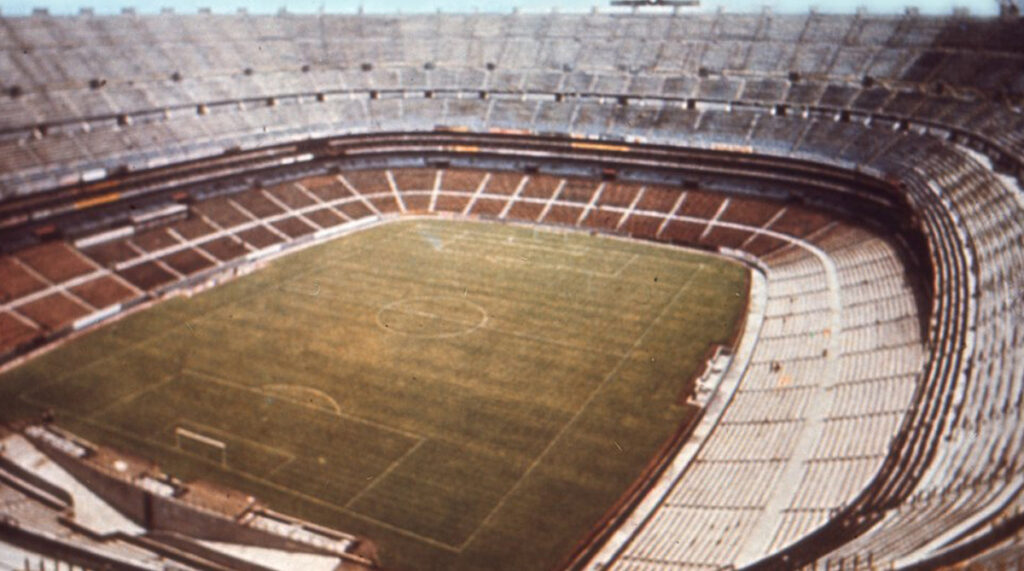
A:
[936,7]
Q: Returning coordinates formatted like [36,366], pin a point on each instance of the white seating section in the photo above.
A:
[723,500]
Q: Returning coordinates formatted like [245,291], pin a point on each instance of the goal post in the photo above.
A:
[201,445]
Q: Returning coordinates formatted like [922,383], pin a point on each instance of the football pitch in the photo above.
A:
[467,395]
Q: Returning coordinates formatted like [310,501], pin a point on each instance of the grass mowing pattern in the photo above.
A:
[470,396]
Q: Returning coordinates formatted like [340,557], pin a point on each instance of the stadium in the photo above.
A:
[627,289]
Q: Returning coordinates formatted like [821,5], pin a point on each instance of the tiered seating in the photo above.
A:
[977,462]
[787,421]
[877,94]
[46,288]
[223,229]
[185,70]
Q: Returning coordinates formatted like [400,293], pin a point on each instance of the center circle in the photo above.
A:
[431,317]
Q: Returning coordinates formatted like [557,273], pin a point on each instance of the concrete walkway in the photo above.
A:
[90,512]
[275,558]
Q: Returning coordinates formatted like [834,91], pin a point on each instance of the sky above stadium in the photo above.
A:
[942,7]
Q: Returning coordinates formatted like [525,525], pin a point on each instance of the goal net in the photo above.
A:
[201,445]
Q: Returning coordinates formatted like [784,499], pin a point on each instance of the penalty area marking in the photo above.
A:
[285,489]
[421,307]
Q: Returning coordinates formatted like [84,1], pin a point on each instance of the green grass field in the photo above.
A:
[468,395]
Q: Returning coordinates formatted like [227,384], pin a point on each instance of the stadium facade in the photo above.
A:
[868,168]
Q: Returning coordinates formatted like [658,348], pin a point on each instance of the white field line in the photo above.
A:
[622,268]
[269,391]
[131,396]
[278,468]
[380,477]
[419,313]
